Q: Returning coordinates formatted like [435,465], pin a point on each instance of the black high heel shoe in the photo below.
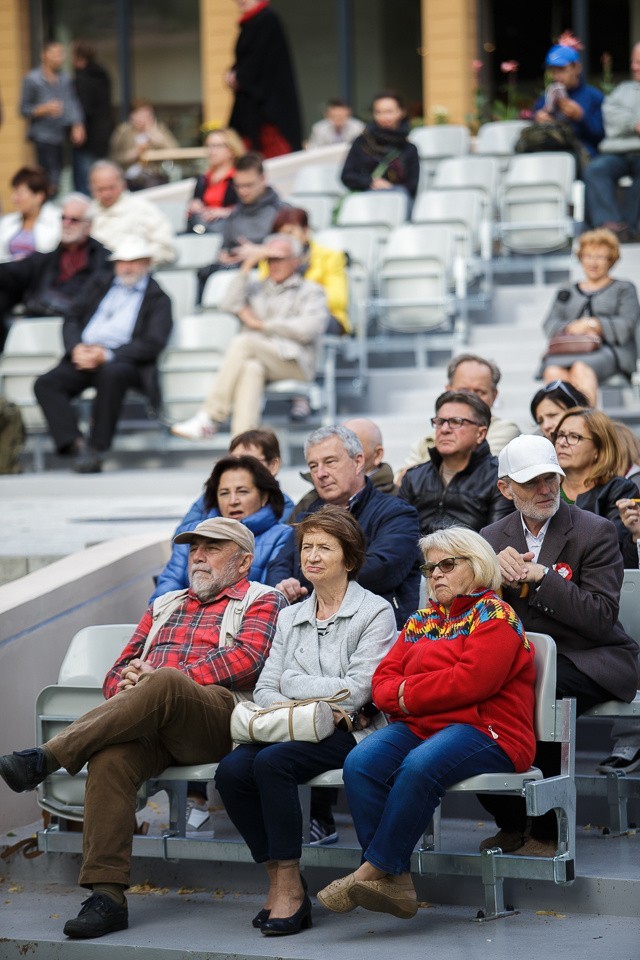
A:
[283,926]
[261,917]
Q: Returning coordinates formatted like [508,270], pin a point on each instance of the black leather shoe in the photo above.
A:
[99,915]
[88,460]
[24,769]
[283,926]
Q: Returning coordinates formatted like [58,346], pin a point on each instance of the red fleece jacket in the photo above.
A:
[473,666]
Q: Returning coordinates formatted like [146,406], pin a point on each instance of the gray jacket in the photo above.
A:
[252,221]
[36,90]
[299,666]
[295,315]
[617,309]
[621,113]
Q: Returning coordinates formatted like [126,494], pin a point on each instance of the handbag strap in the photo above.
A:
[291,705]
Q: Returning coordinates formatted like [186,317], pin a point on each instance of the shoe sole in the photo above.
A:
[80,934]
[629,768]
[338,902]
[326,841]
[379,903]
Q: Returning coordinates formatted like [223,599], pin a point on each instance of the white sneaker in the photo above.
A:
[198,427]
[197,816]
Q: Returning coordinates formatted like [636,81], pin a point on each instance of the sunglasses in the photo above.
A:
[446,565]
[560,385]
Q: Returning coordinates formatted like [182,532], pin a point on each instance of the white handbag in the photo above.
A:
[309,720]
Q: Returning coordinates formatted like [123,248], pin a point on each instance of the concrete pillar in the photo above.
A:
[218,32]
[14,63]
[449,41]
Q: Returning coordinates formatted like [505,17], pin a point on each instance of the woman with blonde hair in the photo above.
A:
[598,305]
[458,687]
[214,195]
[594,464]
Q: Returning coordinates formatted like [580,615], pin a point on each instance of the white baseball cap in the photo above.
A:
[526,457]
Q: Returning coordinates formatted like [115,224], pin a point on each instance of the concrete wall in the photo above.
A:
[108,583]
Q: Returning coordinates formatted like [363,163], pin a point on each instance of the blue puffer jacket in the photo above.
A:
[270,533]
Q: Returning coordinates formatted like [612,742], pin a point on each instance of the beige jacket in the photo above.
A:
[295,315]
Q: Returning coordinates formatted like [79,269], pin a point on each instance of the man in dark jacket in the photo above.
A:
[458,484]
[112,342]
[249,222]
[392,565]
[48,284]
[93,89]
[562,574]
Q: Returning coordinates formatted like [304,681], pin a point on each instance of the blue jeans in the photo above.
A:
[601,189]
[394,782]
[258,784]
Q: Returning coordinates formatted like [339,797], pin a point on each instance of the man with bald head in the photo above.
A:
[619,157]
[48,284]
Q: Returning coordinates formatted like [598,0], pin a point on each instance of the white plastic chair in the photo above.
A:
[376,209]
[498,139]
[197,250]
[33,346]
[460,210]
[216,287]
[180,287]
[319,178]
[475,173]
[319,208]
[91,653]
[535,201]
[434,143]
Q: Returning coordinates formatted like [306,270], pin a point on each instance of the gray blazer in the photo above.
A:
[617,309]
[580,612]
[297,667]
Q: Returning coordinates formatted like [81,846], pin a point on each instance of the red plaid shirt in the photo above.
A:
[188,641]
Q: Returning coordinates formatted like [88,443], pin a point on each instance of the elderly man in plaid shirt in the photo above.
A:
[168,702]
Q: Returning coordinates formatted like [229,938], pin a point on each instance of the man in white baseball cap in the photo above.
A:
[112,340]
[562,573]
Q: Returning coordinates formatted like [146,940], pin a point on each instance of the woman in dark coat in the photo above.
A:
[266,112]
[382,157]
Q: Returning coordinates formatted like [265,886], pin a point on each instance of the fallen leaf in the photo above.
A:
[54,916]
[551,913]
[16,888]
[186,890]
[148,887]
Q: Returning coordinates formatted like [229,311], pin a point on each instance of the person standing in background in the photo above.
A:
[93,89]
[50,104]
[266,112]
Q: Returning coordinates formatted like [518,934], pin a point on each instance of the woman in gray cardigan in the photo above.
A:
[600,305]
[331,641]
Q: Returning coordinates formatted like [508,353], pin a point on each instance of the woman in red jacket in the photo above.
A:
[458,687]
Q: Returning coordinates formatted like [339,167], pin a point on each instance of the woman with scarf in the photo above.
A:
[382,158]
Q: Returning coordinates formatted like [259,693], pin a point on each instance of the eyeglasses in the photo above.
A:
[446,565]
[561,385]
[66,219]
[595,257]
[454,423]
[572,439]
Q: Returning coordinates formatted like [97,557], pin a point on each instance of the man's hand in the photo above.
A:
[570,109]
[292,589]
[518,567]
[629,511]
[78,134]
[228,258]
[88,356]
[132,672]
[542,116]
[248,319]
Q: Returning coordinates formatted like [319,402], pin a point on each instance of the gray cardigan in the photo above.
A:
[617,309]
[364,630]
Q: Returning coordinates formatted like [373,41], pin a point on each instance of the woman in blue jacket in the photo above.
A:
[242,488]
